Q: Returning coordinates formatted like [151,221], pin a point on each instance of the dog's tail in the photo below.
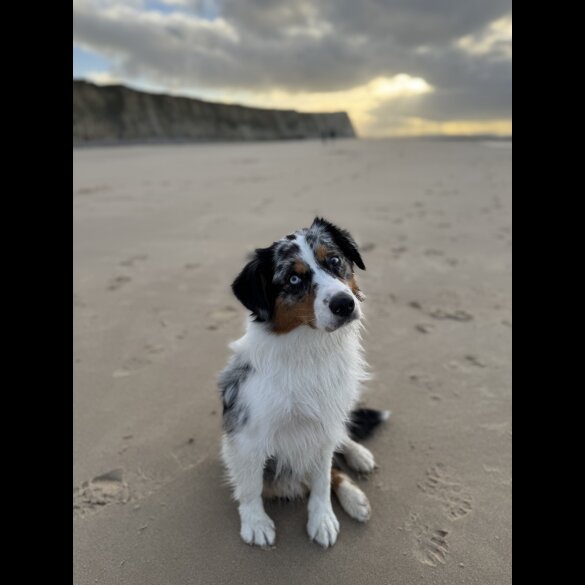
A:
[363,421]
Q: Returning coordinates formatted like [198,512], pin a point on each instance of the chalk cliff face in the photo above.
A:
[117,114]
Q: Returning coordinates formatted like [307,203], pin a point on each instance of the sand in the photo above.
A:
[160,232]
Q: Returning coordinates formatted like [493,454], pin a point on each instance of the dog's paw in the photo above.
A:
[323,527]
[354,501]
[359,458]
[258,529]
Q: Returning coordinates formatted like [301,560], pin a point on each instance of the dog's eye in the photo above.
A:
[334,261]
[294,280]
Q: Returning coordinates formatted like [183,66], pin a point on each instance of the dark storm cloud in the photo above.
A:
[322,45]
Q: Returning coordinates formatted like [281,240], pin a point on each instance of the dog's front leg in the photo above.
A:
[246,473]
[323,526]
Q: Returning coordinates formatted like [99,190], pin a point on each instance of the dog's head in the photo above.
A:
[307,278]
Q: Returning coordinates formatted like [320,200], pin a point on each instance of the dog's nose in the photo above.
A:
[342,305]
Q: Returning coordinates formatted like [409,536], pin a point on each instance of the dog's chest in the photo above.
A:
[310,396]
[302,384]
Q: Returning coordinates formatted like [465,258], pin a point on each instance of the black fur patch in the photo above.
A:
[273,471]
[266,276]
[254,288]
[323,231]
[235,415]
[362,423]
[270,469]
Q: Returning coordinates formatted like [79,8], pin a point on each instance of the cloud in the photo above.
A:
[315,53]
[495,39]
[102,77]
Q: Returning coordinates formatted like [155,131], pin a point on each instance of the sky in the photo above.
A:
[398,67]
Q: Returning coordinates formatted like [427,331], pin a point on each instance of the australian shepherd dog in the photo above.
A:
[292,384]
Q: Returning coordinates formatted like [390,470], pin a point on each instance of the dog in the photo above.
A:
[291,386]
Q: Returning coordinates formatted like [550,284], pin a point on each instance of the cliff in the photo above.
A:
[117,114]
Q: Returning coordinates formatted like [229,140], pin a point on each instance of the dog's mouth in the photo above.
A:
[342,322]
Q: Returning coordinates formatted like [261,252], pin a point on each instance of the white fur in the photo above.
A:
[353,500]
[298,397]
[358,457]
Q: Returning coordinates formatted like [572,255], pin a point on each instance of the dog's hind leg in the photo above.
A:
[361,425]
[351,498]
[357,456]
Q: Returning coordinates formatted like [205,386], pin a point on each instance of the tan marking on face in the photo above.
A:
[321,253]
[355,289]
[288,317]
[300,267]
[337,478]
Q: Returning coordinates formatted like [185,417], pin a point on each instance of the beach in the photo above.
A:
[159,234]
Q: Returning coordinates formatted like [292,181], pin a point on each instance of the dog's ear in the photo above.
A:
[253,287]
[342,239]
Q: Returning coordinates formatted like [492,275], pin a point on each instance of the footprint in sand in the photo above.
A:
[397,252]
[463,366]
[132,366]
[221,316]
[439,255]
[424,381]
[441,484]
[154,349]
[185,455]
[442,314]
[367,247]
[150,350]
[118,282]
[457,315]
[475,361]
[429,542]
[101,491]
[500,476]
[434,252]
[133,259]
[424,327]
